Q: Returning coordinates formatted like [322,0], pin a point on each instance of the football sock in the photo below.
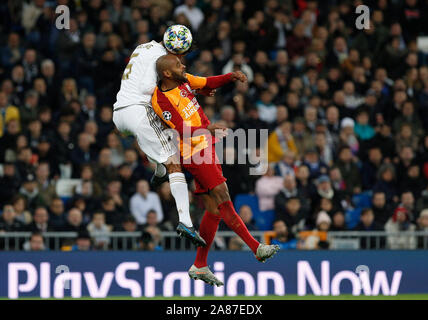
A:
[160,170]
[234,222]
[178,185]
[207,230]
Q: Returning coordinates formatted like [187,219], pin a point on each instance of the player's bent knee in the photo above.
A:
[220,194]
[215,212]
[172,168]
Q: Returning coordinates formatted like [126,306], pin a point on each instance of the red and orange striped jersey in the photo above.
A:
[179,110]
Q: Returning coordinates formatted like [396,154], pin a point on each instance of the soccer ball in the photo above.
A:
[177,39]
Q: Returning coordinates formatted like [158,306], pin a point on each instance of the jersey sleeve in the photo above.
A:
[196,82]
[169,114]
[214,82]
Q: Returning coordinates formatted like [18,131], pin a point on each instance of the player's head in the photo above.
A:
[169,67]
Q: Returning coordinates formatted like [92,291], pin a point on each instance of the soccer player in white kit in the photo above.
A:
[133,114]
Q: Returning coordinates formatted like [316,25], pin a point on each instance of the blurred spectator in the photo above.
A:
[400,222]
[36,242]
[156,236]
[422,202]
[292,214]
[192,13]
[83,153]
[40,222]
[128,225]
[386,182]
[371,167]
[338,222]
[56,213]
[313,162]
[8,221]
[414,182]
[423,226]
[44,185]
[7,112]
[238,180]
[143,201]
[116,149]
[246,215]
[407,201]
[288,191]
[324,190]
[83,242]
[381,209]
[20,206]
[349,170]
[267,187]
[168,204]
[146,242]
[281,142]
[282,236]
[368,223]
[323,221]
[74,221]
[236,244]
[28,111]
[9,182]
[316,238]
[152,220]
[99,231]
[114,214]
[286,165]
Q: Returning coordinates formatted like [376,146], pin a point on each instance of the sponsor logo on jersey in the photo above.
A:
[183,93]
[190,108]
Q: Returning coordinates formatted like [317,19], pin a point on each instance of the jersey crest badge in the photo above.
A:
[166,115]
[183,93]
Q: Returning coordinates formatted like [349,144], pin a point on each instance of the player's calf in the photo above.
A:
[221,196]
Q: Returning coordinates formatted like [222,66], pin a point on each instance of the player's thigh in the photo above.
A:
[146,127]
[220,193]
[207,176]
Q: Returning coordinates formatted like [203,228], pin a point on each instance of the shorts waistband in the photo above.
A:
[144,104]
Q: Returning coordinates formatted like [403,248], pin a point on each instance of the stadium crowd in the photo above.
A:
[346,110]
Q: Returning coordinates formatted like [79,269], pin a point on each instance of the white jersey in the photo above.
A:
[139,79]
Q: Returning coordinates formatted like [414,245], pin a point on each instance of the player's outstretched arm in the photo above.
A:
[214,82]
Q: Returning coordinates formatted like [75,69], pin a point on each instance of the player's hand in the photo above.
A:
[239,75]
[206,92]
[217,130]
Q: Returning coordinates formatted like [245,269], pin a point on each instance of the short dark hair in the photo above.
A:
[129,218]
[36,234]
[152,211]
[278,220]
[293,198]
[365,211]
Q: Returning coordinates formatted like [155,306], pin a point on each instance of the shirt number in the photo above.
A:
[128,68]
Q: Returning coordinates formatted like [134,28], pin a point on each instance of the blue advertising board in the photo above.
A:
[150,274]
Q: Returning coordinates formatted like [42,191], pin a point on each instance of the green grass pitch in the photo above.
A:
[272,297]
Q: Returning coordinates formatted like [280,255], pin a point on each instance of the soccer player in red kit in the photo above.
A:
[175,103]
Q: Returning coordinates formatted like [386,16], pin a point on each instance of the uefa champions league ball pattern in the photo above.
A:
[177,39]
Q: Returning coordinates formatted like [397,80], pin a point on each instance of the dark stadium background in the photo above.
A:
[346,110]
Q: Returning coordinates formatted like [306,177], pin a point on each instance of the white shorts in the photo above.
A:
[142,122]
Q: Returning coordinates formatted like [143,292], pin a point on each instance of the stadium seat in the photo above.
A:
[262,219]
[362,200]
[247,199]
[352,217]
